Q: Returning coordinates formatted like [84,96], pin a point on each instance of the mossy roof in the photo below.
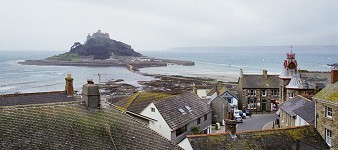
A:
[138,101]
[329,93]
[304,137]
[72,126]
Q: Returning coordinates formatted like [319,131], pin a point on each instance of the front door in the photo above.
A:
[263,106]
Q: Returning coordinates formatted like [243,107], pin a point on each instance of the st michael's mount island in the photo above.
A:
[100,50]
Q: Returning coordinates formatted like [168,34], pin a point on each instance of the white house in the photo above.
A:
[173,117]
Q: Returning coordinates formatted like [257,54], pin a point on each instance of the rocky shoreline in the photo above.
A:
[131,65]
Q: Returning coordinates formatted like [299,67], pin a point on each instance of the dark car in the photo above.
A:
[242,114]
[248,113]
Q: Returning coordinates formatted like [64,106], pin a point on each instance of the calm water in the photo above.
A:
[26,78]
[229,60]
[215,61]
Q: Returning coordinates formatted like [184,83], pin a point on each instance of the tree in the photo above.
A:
[195,129]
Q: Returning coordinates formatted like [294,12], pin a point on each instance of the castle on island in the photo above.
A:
[97,35]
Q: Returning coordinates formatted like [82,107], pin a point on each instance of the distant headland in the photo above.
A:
[100,50]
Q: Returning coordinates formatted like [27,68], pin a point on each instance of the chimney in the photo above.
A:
[334,75]
[230,124]
[241,73]
[265,74]
[91,95]
[69,85]
[218,87]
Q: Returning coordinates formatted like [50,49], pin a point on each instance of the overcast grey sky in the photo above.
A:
[163,24]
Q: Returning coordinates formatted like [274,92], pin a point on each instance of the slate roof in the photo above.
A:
[34,98]
[250,81]
[307,112]
[291,105]
[303,138]
[329,93]
[174,118]
[71,126]
[139,101]
[310,80]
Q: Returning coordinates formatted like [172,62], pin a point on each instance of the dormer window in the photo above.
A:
[188,108]
[152,109]
[182,111]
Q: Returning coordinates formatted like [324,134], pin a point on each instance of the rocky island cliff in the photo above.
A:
[100,50]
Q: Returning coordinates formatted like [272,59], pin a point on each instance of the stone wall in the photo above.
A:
[325,122]
[259,98]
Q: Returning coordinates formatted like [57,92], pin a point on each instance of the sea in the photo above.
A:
[215,62]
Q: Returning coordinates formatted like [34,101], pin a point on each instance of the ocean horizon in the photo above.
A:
[221,63]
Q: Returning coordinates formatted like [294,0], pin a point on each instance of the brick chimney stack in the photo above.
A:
[265,74]
[230,124]
[69,85]
[91,95]
[334,75]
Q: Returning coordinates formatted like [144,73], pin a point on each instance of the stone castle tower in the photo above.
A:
[289,70]
[98,34]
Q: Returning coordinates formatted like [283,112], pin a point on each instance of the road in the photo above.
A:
[256,122]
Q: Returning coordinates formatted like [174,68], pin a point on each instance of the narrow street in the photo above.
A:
[256,122]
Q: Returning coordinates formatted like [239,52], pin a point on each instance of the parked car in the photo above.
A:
[238,119]
[242,114]
[248,113]
[239,113]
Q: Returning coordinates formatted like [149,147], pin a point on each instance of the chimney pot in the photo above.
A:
[334,75]
[90,81]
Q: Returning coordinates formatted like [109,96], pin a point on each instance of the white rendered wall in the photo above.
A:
[160,126]
[300,121]
[185,144]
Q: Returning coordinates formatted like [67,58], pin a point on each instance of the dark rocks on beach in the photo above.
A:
[173,84]
[333,66]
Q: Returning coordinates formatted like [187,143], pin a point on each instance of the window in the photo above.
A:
[275,92]
[182,111]
[263,93]
[328,112]
[205,117]
[152,109]
[198,121]
[328,137]
[181,130]
[251,92]
[187,107]
[251,103]
[291,95]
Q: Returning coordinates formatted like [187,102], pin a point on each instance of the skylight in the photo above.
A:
[182,111]
[187,107]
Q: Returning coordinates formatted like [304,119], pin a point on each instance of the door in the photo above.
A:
[263,106]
